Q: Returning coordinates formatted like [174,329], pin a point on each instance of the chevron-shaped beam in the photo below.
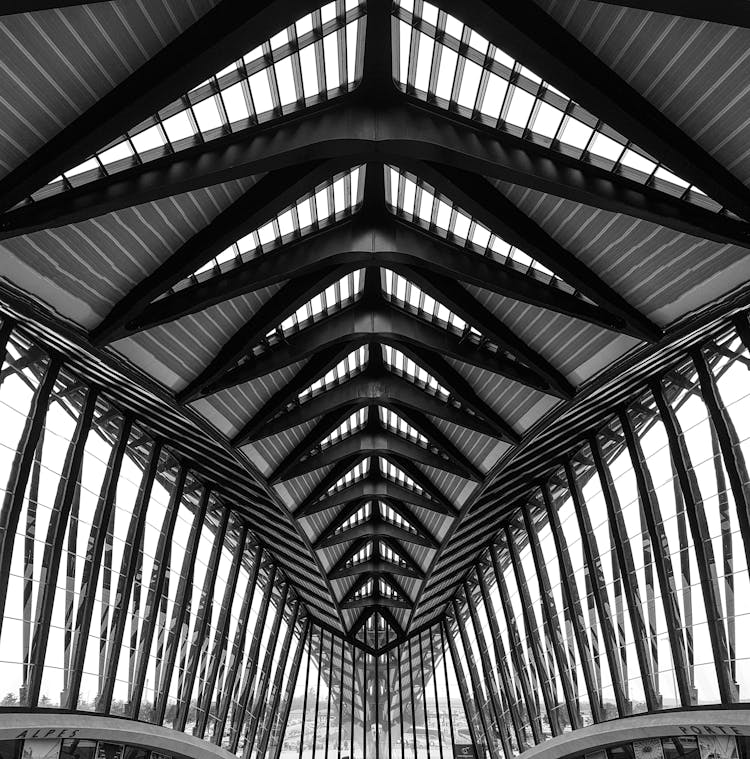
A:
[385,389]
[359,324]
[373,486]
[373,443]
[378,240]
[376,527]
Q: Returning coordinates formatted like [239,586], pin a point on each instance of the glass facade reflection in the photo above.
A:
[616,586]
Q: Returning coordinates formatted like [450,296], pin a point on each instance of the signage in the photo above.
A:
[465,751]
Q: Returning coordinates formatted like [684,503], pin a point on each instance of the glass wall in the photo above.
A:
[127,586]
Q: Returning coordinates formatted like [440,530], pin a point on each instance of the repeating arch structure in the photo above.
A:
[374,373]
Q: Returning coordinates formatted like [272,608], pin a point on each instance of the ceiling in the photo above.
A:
[375,254]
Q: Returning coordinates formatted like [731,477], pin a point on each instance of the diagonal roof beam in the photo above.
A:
[401,550]
[351,550]
[729,12]
[388,241]
[416,474]
[359,324]
[315,368]
[354,506]
[526,32]
[464,304]
[376,566]
[373,486]
[347,129]
[386,389]
[221,36]
[264,200]
[327,424]
[374,443]
[478,197]
[376,528]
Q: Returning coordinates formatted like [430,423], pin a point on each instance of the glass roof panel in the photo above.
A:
[394,423]
[387,513]
[403,366]
[355,474]
[364,554]
[333,299]
[398,476]
[315,59]
[327,203]
[349,367]
[412,298]
[347,428]
[361,515]
[446,63]
[417,201]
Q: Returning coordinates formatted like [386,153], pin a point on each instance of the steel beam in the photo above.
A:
[374,443]
[93,560]
[360,133]
[126,576]
[202,619]
[383,389]
[478,197]
[376,566]
[358,324]
[598,590]
[372,487]
[181,609]
[287,395]
[375,527]
[68,483]
[19,474]
[155,592]
[532,36]
[662,557]
[377,239]
[577,619]
[728,12]
[220,37]
[702,544]
[265,199]
[459,300]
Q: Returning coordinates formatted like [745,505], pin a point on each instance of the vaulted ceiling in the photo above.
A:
[378,250]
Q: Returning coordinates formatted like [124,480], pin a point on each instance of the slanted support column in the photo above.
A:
[704,553]
[532,635]
[92,565]
[19,475]
[471,717]
[570,593]
[69,482]
[184,590]
[551,621]
[599,591]
[509,686]
[522,672]
[629,578]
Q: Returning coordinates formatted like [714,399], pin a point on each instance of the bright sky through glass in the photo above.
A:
[444,61]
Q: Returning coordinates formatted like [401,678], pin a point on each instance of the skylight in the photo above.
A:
[349,367]
[393,422]
[360,515]
[327,203]
[347,428]
[365,591]
[403,366]
[387,590]
[398,476]
[417,201]
[449,64]
[334,298]
[355,474]
[411,297]
[314,60]
[388,554]
[364,554]
[387,513]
